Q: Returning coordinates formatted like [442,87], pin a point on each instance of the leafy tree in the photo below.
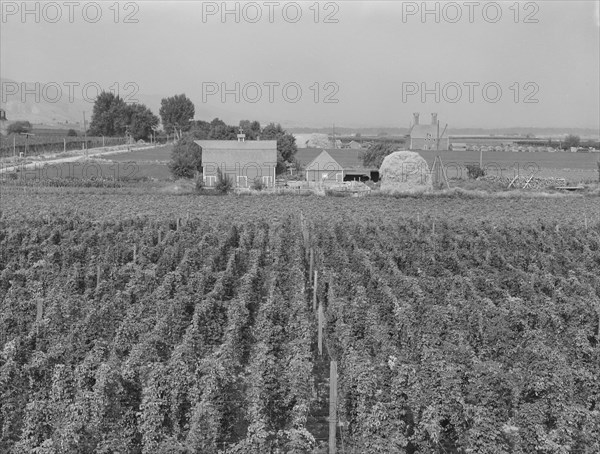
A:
[222,132]
[217,122]
[72,133]
[374,155]
[113,117]
[110,116]
[286,144]
[18,127]
[571,141]
[186,158]
[176,113]
[251,129]
[200,129]
[140,121]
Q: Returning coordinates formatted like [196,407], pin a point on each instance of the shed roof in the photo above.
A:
[235,145]
[231,153]
[304,156]
[347,159]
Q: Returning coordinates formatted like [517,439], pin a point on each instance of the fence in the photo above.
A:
[35,145]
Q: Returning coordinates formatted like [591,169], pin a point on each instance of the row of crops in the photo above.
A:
[39,144]
[199,335]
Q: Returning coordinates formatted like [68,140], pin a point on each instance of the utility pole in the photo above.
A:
[85,136]
[26,134]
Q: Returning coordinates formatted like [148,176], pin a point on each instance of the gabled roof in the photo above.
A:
[235,145]
[304,156]
[232,154]
[346,159]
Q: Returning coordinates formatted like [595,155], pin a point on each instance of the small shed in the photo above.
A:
[242,161]
[337,165]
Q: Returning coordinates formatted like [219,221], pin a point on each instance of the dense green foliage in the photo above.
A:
[374,155]
[286,145]
[474,171]
[18,127]
[571,141]
[112,116]
[198,335]
[176,112]
[186,159]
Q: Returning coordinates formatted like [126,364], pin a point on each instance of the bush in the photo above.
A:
[474,171]
[258,184]
[199,183]
[186,159]
[224,184]
[72,133]
[19,127]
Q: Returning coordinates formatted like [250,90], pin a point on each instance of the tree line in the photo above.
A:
[112,116]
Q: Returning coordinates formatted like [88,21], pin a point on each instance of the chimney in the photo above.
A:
[416,118]
[434,119]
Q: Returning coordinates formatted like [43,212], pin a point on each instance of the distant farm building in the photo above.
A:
[427,136]
[242,161]
[458,146]
[354,145]
[339,165]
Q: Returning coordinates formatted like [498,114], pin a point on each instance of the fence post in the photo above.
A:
[97,276]
[320,317]
[332,405]
[310,263]
[315,293]
[40,310]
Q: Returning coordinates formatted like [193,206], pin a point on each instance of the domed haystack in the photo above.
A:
[405,171]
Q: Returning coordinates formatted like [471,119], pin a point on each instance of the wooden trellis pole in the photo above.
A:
[311,263]
[98,275]
[134,253]
[315,292]
[332,405]
[40,310]
[320,317]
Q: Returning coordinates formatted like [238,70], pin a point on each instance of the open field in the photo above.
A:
[152,163]
[161,154]
[158,203]
[571,166]
[125,170]
[147,322]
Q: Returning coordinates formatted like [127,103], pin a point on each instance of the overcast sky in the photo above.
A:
[373,57]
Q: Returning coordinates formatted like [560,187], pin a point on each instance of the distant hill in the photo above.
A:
[69,115]
[586,133]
